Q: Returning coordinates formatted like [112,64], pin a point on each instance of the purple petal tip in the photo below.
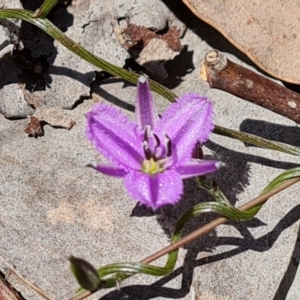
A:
[142,79]
[220,164]
[92,165]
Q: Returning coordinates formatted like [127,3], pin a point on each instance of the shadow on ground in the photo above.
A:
[276,132]
[247,242]
[38,46]
[232,179]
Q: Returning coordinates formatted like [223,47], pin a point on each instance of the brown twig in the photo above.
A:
[25,281]
[223,74]
[206,228]
[7,291]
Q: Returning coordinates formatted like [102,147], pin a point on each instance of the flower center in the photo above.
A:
[157,155]
[150,166]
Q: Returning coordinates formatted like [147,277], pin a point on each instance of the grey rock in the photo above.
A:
[13,103]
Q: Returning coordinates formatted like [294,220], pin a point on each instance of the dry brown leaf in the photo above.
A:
[268,32]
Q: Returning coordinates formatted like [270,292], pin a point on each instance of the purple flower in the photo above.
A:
[153,155]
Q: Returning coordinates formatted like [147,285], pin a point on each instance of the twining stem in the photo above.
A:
[213,224]
[54,32]
[58,35]
[258,201]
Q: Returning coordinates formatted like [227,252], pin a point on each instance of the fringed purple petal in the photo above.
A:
[109,169]
[114,135]
[155,190]
[144,108]
[198,167]
[187,121]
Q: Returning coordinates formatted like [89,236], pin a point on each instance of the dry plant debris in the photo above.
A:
[266,31]
[223,74]
[7,292]
[149,47]
[34,128]
[139,37]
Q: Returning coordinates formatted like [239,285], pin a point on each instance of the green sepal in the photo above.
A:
[85,274]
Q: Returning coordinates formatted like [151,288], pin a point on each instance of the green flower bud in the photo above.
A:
[85,274]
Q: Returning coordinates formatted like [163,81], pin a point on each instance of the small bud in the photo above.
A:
[85,274]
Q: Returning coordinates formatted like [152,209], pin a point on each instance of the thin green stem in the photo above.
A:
[45,8]
[57,34]
[256,140]
[245,212]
